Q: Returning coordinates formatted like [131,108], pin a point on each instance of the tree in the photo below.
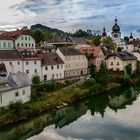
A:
[39,36]
[109,42]
[93,71]
[35,80]
[102,75]
[96,40]
[129,69]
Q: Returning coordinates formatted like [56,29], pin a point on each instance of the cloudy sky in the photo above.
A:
[70,15]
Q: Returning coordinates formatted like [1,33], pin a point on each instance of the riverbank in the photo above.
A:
[52,101]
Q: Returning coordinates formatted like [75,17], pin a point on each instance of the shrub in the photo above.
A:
[16,107]
[35,80]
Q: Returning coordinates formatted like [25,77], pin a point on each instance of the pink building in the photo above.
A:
[95,55]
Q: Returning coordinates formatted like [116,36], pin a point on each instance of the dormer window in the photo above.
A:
[114,57]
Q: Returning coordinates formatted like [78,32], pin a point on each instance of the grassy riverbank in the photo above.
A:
[50,101]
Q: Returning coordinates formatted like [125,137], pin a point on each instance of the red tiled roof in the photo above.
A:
[15,34]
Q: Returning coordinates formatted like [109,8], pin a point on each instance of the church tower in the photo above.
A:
[116,34]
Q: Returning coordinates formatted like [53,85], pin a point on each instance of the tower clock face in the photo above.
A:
[115,35]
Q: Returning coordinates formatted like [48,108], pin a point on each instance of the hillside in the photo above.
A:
[46,28]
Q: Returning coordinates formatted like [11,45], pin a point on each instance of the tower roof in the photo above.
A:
[131,35]
[104,33]
[116,27]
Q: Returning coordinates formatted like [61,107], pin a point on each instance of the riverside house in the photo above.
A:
[17,87]
[75,63]
[117,61]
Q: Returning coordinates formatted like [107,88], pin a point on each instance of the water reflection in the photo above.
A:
[113,115]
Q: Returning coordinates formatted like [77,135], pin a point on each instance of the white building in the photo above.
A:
[17,87]
[22,40]
[12,60]
[31,63]
[52,67]
[76,64]
[117,61]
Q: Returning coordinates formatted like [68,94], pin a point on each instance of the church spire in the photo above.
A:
[104,33]
[116,20]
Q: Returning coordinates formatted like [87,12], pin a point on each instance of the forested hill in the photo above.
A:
[46,28]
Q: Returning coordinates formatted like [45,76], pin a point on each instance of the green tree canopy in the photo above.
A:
[35,80]
[38,36]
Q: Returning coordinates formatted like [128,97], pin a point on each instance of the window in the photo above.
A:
[52,67]
[35,70]
[60,74]
[25,38]
[17,44]
[35,62]
[61,66]
[4,44]
[27,71]
[23,92]
[22,44]
[29,44]
[32,45]
[26,44]
[1,98]
[117,63]
[111,63]
[17,94]
[46,68]
[27,62]
[18,63]
[10,63]
[8,44]
[29,38]
[114,57]
[57,66]
[21,38]
[56,75]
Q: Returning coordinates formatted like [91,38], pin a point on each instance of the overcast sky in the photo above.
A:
[70,15]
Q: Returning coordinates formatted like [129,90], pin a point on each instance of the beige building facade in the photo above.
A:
[75,63]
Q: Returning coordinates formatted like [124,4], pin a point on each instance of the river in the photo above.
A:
[110,116]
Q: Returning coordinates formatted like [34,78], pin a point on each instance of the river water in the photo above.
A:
[110,116]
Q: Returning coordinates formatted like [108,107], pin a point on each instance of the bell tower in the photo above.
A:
[116,34]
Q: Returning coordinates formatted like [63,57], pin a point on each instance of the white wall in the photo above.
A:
[6,45]
[25,42]
[57,72]
[122,64]
[13,66]
[24,95]
[31,66]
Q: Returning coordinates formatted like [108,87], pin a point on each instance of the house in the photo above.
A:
[21,39]
[95,55]
[117,61]
[52,66]
[12,61]
[17,87]
[6,43]
[31,63]
[75,63]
